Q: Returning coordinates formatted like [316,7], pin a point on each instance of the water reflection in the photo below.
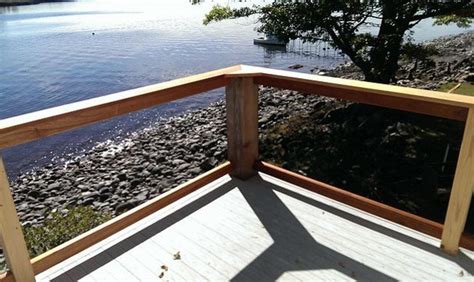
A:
[14,8]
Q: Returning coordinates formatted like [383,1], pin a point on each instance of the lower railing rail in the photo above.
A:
[242,131]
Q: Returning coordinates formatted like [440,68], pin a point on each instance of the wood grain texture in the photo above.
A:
[401,217]
[461,192]
[11,235]
[368,87]
[408,103]
[32,126]
[68,249]
[242,126]
[434,103]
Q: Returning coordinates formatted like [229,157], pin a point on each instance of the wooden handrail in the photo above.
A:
[243,151]
[364,86]
[447,105]
[36,125]
[40,124]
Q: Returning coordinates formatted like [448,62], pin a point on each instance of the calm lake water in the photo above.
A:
[49,57]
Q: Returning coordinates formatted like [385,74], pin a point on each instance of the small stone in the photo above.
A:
[34,194]
[156,170]
[177,162]
[142,196]
[104,196]
[123,207]
[194,171]
[183,167]
[104,190]
[135,182]
[53,186]
[88,201]
[122,176]
[295,67]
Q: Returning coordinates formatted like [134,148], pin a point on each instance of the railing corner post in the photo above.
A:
[11,235]
[461,192]
[242,126]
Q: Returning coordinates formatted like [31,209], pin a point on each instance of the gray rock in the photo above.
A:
[123,207]
[142,196]
[34,194]
[177,162]
[122,176]
[156,170]
[53,186]
[135,182]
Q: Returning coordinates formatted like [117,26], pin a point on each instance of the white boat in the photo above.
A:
[269,40]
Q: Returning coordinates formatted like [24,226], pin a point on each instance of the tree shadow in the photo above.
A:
[461,259]
[294,249]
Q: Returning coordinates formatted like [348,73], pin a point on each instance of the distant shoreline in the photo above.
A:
[12,3]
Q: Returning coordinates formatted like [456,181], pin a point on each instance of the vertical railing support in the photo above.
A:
[461,192]
[242,126]
[11,235]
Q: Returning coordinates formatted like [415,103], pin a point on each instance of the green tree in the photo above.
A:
[341,21]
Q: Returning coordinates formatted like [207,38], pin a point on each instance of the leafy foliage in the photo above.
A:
[60,228]
[344,24]
[218,13]
[448,19]
[412,51]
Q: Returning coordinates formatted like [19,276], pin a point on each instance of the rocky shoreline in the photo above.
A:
[13,3]
[116,176]
[453,63]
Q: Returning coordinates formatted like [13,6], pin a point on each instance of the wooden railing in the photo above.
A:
[242,129]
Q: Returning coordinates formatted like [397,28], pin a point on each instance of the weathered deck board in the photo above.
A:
[263,229]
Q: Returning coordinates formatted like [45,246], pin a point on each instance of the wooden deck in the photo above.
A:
[342,243]
[263,229]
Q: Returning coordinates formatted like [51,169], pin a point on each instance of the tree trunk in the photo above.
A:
[384,57]
[386,50]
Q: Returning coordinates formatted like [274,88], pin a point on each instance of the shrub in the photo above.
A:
[59,228]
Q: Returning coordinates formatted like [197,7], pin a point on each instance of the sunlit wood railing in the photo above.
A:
[242,129]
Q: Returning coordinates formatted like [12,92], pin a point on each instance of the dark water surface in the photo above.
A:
[49,57]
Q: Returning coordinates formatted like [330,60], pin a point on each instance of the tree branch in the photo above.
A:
[456,7]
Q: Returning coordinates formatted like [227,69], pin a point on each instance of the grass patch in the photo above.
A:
[466,88]
[60,228]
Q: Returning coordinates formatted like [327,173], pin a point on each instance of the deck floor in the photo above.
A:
[260,230]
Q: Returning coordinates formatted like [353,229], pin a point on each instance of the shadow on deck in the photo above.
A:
[259,229]
[266,229]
